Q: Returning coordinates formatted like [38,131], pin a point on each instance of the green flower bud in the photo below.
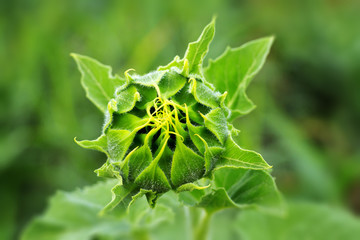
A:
[164,130]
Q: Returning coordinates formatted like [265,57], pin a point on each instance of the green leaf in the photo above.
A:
[151,79]
[75,216]
[184,97]
[120,195]
[200,135]
[126,99]
[204,95]
[237,67]
[187,166]
[111,108]
[136,161]
[197,50]
[190,187]
[302,221]
[114,143]
[237,188]
[175,65]
[97,80]
[128,122]
[153,177]
[247,188]
[107,170]
[147,94]
[171,83]
[235,156]
[211,155]
[216,122]
[119,142]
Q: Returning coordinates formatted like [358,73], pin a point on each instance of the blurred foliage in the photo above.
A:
[306,124]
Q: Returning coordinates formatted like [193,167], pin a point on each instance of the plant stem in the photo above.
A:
[202,230]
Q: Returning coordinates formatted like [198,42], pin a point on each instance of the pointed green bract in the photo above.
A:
[171,83]
[204,95]
[216,122]
[97,80]
[187,166]
[150,79]
[137,161]
[237,67]
[126,99]
[235,156]
[153,177]
[99,144]
[169,129]
[197,50]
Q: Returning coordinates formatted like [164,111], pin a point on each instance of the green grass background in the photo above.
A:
[307,123]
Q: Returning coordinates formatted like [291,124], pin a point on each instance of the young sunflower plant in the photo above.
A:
[170,129]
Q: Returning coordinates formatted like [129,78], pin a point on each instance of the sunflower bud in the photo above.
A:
[164,130]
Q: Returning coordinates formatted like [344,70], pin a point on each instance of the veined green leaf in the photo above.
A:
[97,80]
[302,221]
[235,156]
[248,188]
[74,216]
[237,188]
[237,67]
[197,50]
[120,195]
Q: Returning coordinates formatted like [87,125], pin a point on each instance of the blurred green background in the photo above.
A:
[306,125]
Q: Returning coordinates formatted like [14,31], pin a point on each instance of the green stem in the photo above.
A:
[140,234]
[202,230]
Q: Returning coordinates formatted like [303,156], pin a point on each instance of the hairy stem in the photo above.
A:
[202,230]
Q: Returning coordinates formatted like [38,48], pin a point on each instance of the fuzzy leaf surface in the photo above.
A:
[235,156]
[97,80]
[187,166]
[75,216]
[237,188]
[302,221]
[234,70]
